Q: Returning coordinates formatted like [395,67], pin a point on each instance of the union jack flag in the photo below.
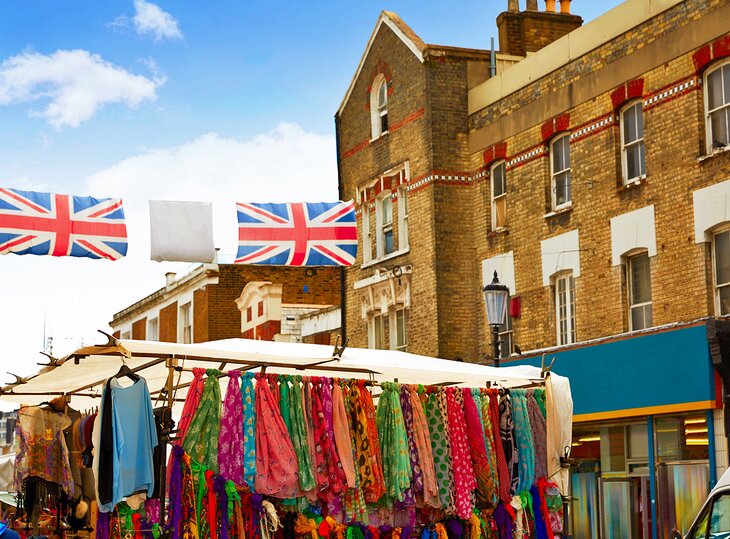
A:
[61,225]
[297,234]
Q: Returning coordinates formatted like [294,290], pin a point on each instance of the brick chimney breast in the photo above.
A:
[526,31]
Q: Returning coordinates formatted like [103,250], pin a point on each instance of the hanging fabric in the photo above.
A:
[230,448]
[276,462]
[248,398]
[506,432]
[502,466]
[491,447]
[331,480]
[368,415]
[174,492]
[464,481]
[437,417]
[299,435]
[394,442]
[477,449]
[201,440]
[539,432]
[341,429]
[523,440]
[425,454]
[417,475]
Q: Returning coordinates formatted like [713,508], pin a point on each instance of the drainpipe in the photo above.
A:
[492,61]
[340,194]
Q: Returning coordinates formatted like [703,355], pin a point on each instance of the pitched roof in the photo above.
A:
[404,32]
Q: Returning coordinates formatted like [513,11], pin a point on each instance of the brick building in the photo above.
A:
[223,301]
[590,170]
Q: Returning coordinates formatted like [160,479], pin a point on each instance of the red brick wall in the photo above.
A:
[168,323]
[267,330]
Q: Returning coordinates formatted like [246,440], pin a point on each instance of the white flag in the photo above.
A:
[181,231]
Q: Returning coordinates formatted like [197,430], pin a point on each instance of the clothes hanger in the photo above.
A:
[126,371]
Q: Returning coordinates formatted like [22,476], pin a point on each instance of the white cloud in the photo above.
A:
[150,18]
[76,82]
[79,296]
[285,164]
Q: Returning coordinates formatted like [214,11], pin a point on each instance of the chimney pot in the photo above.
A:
[565,6]
[513,5]
[170,278]
[550,6]
[531,5]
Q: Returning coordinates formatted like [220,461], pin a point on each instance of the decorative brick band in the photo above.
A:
[536,152]
[634,89]
[670,92]
[593,127]
[555,125]
[391,129]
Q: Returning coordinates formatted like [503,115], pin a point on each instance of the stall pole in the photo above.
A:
[167,426]
[652,476]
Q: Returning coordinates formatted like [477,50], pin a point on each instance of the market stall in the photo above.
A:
[293,439]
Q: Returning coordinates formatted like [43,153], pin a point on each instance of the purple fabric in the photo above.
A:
[175,493]
[256,508]
[219,486]
[152,509]
[540,529]
[503,520]
[230,444]
[407,407]
[102,525]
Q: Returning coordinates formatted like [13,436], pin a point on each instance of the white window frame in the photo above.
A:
[185,308]
[379,321]
[395,343]
[153,323]
[630,260]
[494,198]
[378,109]
[554,173]
[126,335]
[716,286]
[367,245]
[633,105]
[382,227]
[709,138]
[402,217]
[568,281]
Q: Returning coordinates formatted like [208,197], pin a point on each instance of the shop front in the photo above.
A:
[648,433]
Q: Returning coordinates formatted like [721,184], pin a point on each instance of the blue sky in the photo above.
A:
[179,100]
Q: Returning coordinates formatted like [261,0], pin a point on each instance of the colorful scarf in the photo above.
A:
[377,488]
[230,448]
[341,430]
[478,449]
[441,449]
[394,442]
[425,454]
[507,433]
[539,432]
[299,435]
[276,461]
[248,398]
[491,447]
[201,440]
[464,481]
[523,439]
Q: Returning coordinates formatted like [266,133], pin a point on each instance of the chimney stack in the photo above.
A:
[526,31]
[170,278]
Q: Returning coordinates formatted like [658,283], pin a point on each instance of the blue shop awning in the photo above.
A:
[668,370]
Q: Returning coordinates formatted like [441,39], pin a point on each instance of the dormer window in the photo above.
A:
[379,106]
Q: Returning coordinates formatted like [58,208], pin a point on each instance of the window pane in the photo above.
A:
[722,258]
[642,159]
[720,519]
[635,161]
[726,82]
[566,151]
[558,157]
[383,95]
[630,134]
[562,188]
[667,438]
[638,441]
[500,212]
[718,120]
[724,294]
[639,121]
[401,322]
[387,210]
[640,279]
[388,237]
[498,181]
[714,89]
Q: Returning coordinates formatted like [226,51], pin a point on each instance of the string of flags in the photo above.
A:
[290,234]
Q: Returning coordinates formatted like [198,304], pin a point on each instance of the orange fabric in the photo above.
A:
[342,435]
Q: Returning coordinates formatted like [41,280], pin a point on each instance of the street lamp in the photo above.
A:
[495,301]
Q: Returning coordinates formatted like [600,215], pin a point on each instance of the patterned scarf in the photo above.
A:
[201,440]
[377,489]
[248,398]
[502,467]
[392,435]
[230,448]
[478,449]
[523,439]
[299,435]
[425,454]
[507,433]
[464,481]
[441,448]
[189,518]
[539,431]
[491,447]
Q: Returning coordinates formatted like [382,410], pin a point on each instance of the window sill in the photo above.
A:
[636,182]
[501,231]
[714,153]
[559,211]
[394,254]
[381,135]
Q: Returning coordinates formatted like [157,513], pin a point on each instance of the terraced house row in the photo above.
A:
[587,165]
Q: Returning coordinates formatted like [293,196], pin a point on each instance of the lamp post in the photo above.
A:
[495,301]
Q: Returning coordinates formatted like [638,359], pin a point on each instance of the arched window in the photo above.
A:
[379,106]
[560,171]
[565,307]
[717,106]
[632,142]
[497,173]
[638,270]
[721,269]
